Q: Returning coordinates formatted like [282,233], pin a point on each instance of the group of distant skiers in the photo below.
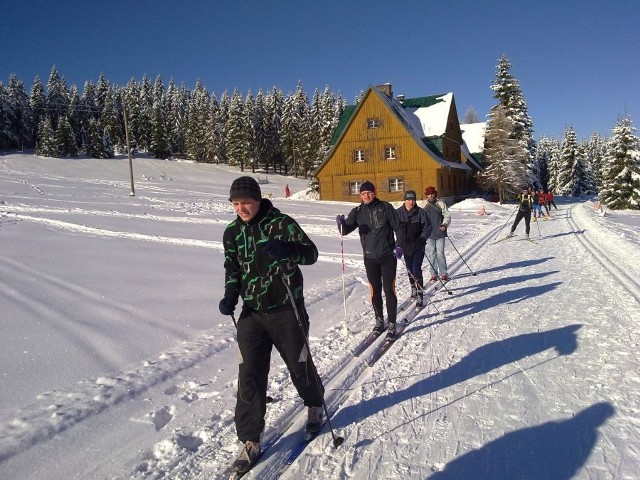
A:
[263,250]
[532,201]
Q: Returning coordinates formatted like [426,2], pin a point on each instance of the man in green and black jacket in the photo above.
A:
[263,248]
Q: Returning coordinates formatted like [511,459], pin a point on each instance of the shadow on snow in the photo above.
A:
[478,362]
[554,450]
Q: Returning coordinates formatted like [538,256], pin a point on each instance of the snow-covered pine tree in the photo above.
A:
[38,105]
[94,146]
[159,129]
[198,133]
[176,107]
[75,115]
[580,183]
[595,153]
[251,131]
[57,97]
[110,121]
[505,172]
[65,140]
[507,91]
[589,185]
[543,158]
[294,135]
[272,125]
[46,140]
[22,127]
[554,165]
[7,119]
[102,90]
[146,114]
[131,100]
[568,156]
[236,133]
[621,172]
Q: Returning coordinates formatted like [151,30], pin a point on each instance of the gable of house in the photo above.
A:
[383,140]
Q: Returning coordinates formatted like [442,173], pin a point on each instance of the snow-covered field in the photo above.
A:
[115,362]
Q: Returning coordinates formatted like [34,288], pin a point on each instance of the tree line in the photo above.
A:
[291,133]
[269,130]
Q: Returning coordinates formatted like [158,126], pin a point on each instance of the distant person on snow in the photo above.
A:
[440,219]
[287,192]
[525,202]
[263,248]
[416,228]
[549,199]
[376,222]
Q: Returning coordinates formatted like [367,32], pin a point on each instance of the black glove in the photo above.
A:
[227,306]
[278,249]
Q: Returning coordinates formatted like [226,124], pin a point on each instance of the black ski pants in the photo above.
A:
[257,333]
[381,273]
[526,214]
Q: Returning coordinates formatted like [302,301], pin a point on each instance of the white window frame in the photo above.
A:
[373,123]
[396,184]
[359,155]
[390,152]
[354,187]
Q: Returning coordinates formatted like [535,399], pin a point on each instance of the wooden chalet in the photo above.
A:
[398,144]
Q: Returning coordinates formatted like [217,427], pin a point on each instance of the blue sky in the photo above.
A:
[577,62]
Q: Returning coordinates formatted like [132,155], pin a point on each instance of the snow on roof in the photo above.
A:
[433,119]
[473,135]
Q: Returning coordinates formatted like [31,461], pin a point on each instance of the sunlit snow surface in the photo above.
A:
[115,362]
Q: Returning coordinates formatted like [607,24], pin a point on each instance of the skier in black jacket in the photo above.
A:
[376,222]
[525,203]
[416,228]
[263,248]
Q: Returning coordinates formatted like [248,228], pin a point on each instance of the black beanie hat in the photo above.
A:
[409,195]
[245,187]
[367,186]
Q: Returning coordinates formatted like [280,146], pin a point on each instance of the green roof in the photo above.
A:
[421,102]
[346,115]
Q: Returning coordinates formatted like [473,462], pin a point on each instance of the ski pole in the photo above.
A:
[505,224]
[337,441]
[454,247]
[419,287]
[433,269]
[235,324]
[344,292]
[538,224]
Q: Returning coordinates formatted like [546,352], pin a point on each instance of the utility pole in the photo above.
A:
[126,132]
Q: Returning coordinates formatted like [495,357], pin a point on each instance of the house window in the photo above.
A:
[373,123]
[358,156]
[390,152]
[354,187]
[396,184]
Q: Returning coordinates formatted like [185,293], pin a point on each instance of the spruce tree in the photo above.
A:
[57,97]
[236,133]
[7,119]
[22,128]
[507,91]
[505,172]
[46,146]
[621,172]
[64,139]
[38,106]
[543,158]
[568,158]
[159,135]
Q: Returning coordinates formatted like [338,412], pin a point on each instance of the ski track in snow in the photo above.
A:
[522,338]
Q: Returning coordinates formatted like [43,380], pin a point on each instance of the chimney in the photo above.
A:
[400,98]
[386,89]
